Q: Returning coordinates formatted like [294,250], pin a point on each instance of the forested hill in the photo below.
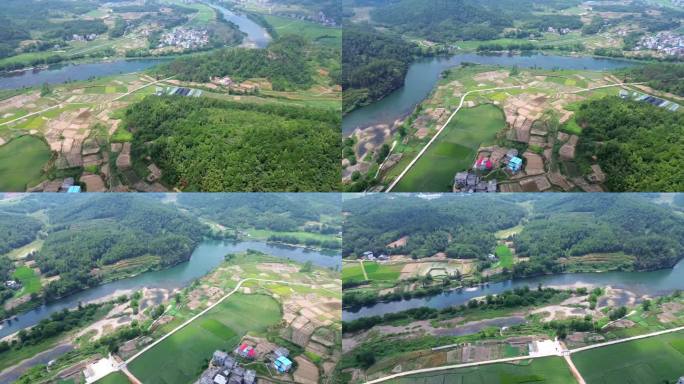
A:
[17,230]
[639,146]
[453,20]
[373,65]
[89,234]
[576,225]
[286,63]
[556,229]
[274,211]
[461,226]
[237,146]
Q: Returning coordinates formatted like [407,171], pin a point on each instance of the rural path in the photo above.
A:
[607,343]
[130,376]
[422,151]
[141,87]
[363,269]
[565,353]
[574,370]
[605,86]
[31,114]
[59,105]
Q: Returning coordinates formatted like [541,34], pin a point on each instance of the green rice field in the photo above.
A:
[30,281]
[548,370]
[454,150]
[220,328]
[375,271]
[114,378]
[652,360]
[505,256]
[21,163]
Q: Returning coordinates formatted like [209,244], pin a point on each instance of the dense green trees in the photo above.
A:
[569,226]
[373,65]
[561,226]
[639,146]
[95,232]
[460,226]
[278,212]
[286,63]
[17,230]
[205,144]
[446,21]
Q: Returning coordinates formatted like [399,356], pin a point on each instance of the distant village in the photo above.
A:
[666,43]
[184,38]
[230,368]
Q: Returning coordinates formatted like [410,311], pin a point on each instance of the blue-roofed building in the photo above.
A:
[74,189]
[515,164]
[282,364]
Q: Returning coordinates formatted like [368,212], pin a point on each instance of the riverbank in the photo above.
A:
[653,283]
[206,257]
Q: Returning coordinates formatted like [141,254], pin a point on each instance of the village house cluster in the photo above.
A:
[666,43]
[226,368]
[370,256]
[243,88]
[475,180]
[86,37]
[560,31]
[12,284]
[185,38]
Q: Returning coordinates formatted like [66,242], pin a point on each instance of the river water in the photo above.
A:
[205,258]
[653,283]
[62,73]
[256,34]
[424,74]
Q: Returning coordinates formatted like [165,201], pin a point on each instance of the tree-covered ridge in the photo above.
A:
[639,146]
[373,65]
[91,233]
[556,228]
[204,144]
[661,76]
[274,211]
[461,226]
[568,226]
[451,20]
[286,63]
[17,230]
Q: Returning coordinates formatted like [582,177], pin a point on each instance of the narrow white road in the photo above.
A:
[565,353]
[62,104]
[422,151]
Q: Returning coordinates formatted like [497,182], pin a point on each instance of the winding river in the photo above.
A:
[653,283]
[62,73]
[205,258]
[424,74]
